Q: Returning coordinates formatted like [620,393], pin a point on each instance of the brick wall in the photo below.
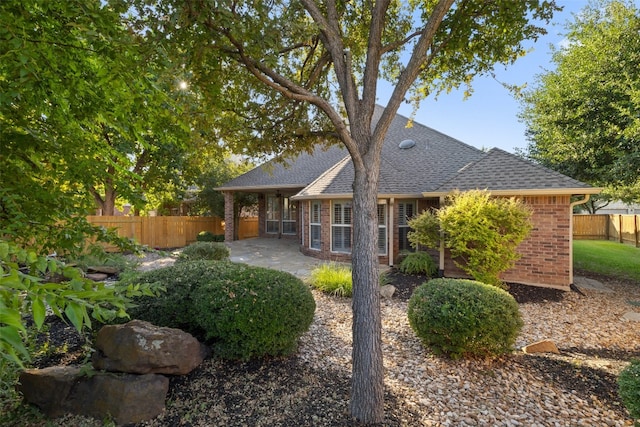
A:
[546,255]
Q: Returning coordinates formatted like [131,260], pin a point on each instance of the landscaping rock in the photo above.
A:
[97,277]
[544,346]
[141,348]
[124,397]
[387,291]
[631,316]
[105,269]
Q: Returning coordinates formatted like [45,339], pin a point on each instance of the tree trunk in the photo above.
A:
[367,381]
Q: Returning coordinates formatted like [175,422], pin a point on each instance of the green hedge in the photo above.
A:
[629,388]
[464,318]
[241,311]
[212,251]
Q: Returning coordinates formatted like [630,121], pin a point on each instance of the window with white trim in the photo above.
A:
[341,226]
[315,229]
[273,214]
[406,211]
[382,229]
[289,216]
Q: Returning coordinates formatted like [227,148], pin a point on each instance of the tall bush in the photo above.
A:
[482,232]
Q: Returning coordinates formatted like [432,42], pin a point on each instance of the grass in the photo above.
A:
[332,278]
[608,258]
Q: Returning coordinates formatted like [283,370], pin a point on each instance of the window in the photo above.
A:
[341,226]
[406,210]
[315,235]
[289,216]
[273,214]
[382,229]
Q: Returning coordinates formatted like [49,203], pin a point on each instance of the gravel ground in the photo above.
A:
[575,388]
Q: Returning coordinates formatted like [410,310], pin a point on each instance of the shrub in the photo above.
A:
[481,231]
[241,311]
[464,318]
[629,388]
[212,251]
[418,263]
[332,278]
[207,236]
[252,311]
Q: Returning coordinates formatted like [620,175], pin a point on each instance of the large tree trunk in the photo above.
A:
[367,381]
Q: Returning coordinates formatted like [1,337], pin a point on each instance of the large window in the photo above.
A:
[406,211]
[341,226]
[289,216]
[315,235]
[273,214]
[382,229]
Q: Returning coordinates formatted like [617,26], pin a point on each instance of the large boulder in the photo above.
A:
[139,347]
[125,398]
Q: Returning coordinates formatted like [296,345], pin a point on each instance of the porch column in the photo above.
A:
[228,216]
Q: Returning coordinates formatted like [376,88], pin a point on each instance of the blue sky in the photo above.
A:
[489,118]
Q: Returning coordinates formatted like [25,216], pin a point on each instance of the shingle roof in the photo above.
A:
[294,173]
[499,171]
[435,165]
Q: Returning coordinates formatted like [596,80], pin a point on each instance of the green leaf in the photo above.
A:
[76,314]
[12,317]
[39,311]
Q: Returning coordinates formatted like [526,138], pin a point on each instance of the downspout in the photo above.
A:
[571,206]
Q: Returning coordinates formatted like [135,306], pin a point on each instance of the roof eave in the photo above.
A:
[527,192]
[261,188]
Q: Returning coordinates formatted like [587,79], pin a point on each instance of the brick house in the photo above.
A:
[308,198]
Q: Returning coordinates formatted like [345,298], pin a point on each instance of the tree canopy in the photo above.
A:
[583,117]
[286,73]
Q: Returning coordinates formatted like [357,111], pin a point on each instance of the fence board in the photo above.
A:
[247,227]
[160,232]
[615,227]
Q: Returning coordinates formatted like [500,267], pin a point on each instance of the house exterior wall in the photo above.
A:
[546,255]
[262,221]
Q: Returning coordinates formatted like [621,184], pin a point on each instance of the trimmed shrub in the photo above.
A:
[418,263]
[211,251]
[332,278]
[241,311]
[629,388]
[207,236]
[252,311]
[464,318]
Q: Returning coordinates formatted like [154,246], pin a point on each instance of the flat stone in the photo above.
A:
[590,284]
[631,316]
[544,346]
[97,277]
[103,269]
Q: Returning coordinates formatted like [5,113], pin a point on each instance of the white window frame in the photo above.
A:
[403,221]
[344,225]
[315,210]
[289,217]
[382,229]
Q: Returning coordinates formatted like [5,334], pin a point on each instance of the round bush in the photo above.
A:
[241,311]
[418,263]
[212,251]
[629,388]
[464,318]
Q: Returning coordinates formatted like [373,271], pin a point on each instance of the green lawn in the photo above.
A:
[610,258]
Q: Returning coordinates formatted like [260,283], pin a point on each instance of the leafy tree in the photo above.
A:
[287,73]
[482,232]
[583,117]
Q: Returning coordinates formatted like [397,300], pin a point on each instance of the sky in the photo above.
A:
[489,118]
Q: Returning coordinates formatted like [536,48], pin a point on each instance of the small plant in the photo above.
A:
[629,389]
[332,278]
[464,318]
[418,263]
[116,260]
[207,236]
[212,251]
[241,311]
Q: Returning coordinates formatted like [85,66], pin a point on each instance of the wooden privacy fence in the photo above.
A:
[164,232]
[619,228]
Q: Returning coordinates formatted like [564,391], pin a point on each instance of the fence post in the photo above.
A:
[635,226]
